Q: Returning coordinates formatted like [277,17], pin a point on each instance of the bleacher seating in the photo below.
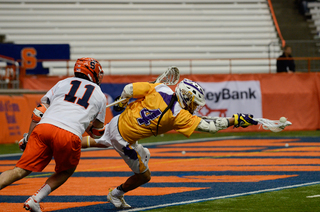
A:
[130,36]
[314,8]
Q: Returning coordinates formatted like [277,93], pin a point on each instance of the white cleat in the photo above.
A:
[32,205]
[118,202]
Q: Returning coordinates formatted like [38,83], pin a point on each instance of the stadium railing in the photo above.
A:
[9,73]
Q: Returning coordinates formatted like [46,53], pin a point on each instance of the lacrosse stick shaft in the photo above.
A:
[116,102]
[212,118]
[169,77]
[215,118]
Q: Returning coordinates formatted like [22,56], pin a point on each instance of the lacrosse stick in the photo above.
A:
[169,77]
[116,102]
[267,124]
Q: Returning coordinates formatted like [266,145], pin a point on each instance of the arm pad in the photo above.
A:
[213,126]
[207,127]
[96,132]
[222,123]
[38,112]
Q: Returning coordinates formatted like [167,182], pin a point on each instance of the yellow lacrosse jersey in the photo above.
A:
[140,118]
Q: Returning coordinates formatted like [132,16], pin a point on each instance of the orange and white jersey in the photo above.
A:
[140,118]
[74,103]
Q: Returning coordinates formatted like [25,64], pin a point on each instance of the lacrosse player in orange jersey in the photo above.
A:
[157,110]
[57,126]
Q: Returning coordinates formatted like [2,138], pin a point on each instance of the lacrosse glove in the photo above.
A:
[23,142]
[243,120]
[121,106]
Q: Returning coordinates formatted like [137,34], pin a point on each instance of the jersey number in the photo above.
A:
[70,97]
[148,115]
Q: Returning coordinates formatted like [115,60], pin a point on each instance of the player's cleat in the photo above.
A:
[32,205]
[118,202]
[124,203]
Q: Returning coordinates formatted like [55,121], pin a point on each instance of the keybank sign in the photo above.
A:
[226,94]
[233,97]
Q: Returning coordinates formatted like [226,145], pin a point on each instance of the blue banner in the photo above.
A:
[30,53]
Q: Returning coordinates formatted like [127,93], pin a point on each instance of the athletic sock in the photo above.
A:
[117,192]
[43,192]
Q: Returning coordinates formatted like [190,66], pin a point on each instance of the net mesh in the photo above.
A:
[272,125]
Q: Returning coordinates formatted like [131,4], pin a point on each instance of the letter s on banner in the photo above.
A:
[29,61]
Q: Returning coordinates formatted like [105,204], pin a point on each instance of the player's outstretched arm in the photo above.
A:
[213,125]
[216,125]
[88,141]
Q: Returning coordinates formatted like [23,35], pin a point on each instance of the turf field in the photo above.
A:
[253,172]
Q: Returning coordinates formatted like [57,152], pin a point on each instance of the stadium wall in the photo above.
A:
[295,96]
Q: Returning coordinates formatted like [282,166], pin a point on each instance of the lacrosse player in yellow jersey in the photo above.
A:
[157,110]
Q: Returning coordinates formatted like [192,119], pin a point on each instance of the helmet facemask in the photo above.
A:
[194,108]
[190,95]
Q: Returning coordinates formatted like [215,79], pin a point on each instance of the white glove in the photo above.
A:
[23,142]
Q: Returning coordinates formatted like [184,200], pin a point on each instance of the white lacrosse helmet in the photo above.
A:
[190,95]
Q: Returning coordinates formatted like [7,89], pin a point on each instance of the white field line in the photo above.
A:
[221,197]
[314,196]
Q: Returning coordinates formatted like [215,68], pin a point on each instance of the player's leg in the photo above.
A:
[57,179]
[115,196]
[36,157]
[12,175]
[52,183]
[136,180]
[65,148]
[137,158]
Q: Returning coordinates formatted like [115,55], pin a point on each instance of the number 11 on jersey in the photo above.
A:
[84,101]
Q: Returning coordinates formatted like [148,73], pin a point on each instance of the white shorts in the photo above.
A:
[135,155]
[104,140]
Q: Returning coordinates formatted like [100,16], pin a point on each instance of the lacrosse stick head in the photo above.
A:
[273,125]
[169,77]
